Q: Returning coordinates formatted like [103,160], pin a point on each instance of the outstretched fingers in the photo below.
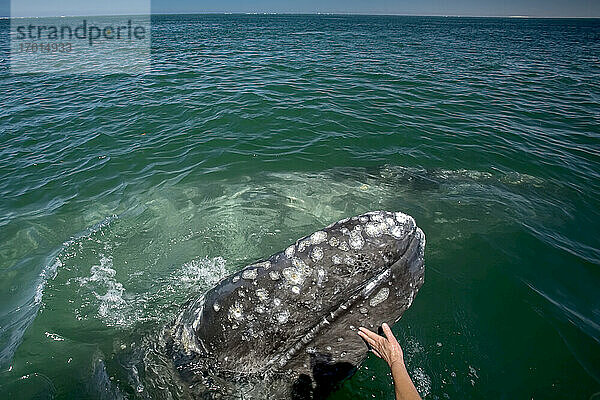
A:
[368,336]
[388,333]
[368,333]
[376,353]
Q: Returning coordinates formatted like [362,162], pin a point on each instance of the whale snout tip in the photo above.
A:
[405,220]
[393,230]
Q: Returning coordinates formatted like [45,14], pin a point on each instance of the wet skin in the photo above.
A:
[291,319]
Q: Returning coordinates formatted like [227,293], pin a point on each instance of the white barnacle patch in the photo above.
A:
[316,254]
[293,276]
[376,229]
[336,259]
[263,264]
[348,260]
[318,237]
[235,279]
[343,221]
[390,221]
[363,219]
[274,275]
[403,218]
[250,274]
[345,231]
[303,244]
[343,246]
[289,252]
[236,312]
[216,306]
[296,289]
[276,302]
[377,217]
[363,310]
[301,266]
[380,297]
[333,241]
[356,240]
[282,317]
[371,230]
[396,231]
[321,276]
[421,237]
[262,294]
[260,309]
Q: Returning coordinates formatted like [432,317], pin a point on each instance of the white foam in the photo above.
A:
[117,306]
[202,272]
[422,381]
[107,290]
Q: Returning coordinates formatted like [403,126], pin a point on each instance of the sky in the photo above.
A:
[539,8]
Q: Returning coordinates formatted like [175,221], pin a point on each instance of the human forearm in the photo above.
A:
[388,348]
[404,388]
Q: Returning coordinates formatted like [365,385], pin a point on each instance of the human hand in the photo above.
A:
[386,347]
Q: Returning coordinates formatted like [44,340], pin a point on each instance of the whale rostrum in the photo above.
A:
[291,319]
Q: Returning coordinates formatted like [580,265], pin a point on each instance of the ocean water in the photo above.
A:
[123,196]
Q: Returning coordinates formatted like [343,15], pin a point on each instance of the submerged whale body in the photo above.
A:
[285,327]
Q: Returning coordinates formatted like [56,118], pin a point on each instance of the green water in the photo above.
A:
[123,196]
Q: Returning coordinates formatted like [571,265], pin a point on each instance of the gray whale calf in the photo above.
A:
[285,327]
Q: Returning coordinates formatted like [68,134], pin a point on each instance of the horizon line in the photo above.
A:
[312,14]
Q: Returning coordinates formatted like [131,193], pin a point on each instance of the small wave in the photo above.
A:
[47,273]
[582,322]
[51,269]
[308,33]
[24,315]
[457,175]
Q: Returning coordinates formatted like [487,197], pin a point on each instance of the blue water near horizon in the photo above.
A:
[124,196]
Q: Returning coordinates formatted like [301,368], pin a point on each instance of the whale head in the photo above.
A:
[295,314]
